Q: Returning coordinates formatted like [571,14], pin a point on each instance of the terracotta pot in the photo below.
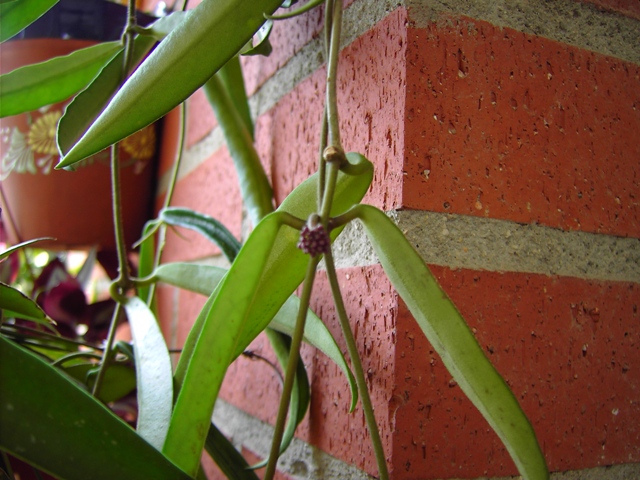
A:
[73,207]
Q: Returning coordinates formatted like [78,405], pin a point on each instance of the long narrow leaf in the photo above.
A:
[82,440]
[254,184]
[20,245]
[153,373]
[207,226]
[233,81]
[217,342]
[227,458]
[180,65]
[450,336]
[204,279]
[16,16]
[33,86]
[89,103]
[265,273]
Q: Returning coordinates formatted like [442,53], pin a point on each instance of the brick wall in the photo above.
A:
[505,140]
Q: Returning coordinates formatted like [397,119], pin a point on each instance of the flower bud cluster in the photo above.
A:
[314,239]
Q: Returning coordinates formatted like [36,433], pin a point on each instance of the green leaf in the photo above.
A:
[118,381]
[47,420]
[204,279]
[16,16]
[299,11]
[180,65]
[265,273]
[259,44]
[233,81]
[209,227]
[89,103]
[227,458]
[254,185]
[33,86]
[16,304]
[146,260]
[153,373]
[18,246]
[164,26]
[450,336]
[208,365]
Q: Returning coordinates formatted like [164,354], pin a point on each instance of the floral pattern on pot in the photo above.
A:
[35,149]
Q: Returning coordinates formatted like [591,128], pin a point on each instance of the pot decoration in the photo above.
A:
[72,207]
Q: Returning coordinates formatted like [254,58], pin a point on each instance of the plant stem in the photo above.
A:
[14,332]
[332,177]
[322,165]
[357,367]
[292,365]
[162,232]
[332,73]
[118,226]
[106,354]
[123,282]
[127,36]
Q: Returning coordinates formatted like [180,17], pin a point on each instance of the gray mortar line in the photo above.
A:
[300,461]
[625,471]
[566,21]
[304,461]
[459,241]
[579,24]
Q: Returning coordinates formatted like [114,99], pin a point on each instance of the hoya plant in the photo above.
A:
[56,425]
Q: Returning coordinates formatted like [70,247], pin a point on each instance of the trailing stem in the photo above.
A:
[123,282]
[358,371]
[331,161]
[292,365]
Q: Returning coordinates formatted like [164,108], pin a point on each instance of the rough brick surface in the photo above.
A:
[468,118]
[567,347]
[288,135]
[630,8]
[506,125]
[200,118]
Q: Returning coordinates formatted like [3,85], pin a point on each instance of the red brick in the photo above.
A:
[567,347]
[169,141]
[630,8]
[289,134]
[287,38]
[522,128]
[200,118]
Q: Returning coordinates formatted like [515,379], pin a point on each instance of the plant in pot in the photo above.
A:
[255,294]
[87,35]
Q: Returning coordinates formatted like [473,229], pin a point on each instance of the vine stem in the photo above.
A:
[106,354]
[162,231]
[292,365]
[358,371]
[123,282]
[332,72]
